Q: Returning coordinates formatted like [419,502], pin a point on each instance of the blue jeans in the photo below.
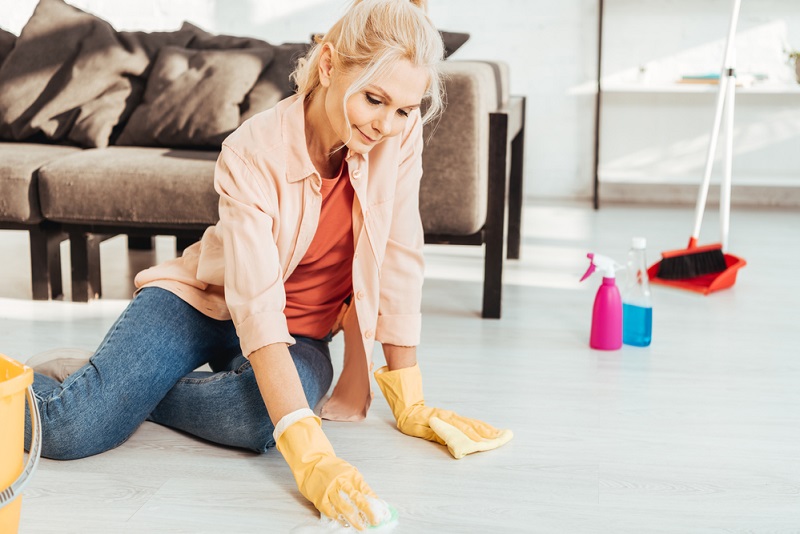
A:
[145,369]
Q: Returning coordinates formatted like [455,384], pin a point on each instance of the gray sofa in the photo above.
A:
[471,190]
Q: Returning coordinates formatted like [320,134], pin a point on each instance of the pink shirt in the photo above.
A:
[270,200]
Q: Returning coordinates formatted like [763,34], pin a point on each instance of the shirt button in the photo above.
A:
[368,334]
[356,174]
[355,256]
[360,295]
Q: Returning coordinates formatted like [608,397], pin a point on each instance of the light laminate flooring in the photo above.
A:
[698,433]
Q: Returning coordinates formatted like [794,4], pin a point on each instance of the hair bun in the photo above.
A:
[422,4]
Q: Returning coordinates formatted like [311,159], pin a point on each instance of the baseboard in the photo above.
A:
[741,195]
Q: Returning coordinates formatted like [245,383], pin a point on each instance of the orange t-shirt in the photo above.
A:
[323,279]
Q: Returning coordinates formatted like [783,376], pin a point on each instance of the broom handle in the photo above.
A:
[725,186]
[726,73]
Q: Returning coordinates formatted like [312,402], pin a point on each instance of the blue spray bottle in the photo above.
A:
[637,307]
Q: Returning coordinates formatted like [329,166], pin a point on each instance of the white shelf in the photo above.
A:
[678,88]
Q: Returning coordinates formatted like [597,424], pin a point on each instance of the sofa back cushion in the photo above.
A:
[274,83]
[452,41]
[7,40]
[71,77]
[194,97]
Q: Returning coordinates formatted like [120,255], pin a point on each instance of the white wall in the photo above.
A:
[662,137]
[549,44]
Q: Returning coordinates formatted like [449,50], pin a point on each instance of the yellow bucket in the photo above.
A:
[15,382]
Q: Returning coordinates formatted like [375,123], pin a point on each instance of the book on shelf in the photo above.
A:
[742,80]
[711,79]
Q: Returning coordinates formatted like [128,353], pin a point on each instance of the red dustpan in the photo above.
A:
[708,283]
[705,284]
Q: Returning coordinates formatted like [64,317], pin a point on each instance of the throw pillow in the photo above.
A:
[204,40]
[71,77]
[7,40]
[274,84]
[193,97]
[452,41]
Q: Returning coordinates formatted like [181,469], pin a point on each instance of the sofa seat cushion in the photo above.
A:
[132,186]
[19,163]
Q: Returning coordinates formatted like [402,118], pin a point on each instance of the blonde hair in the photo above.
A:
[373,35]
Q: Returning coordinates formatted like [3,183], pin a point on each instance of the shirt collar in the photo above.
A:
[293,130]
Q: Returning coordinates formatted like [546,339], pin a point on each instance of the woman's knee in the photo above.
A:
[72,438]
[69,433]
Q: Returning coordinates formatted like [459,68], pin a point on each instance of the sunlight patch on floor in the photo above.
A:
[37,310]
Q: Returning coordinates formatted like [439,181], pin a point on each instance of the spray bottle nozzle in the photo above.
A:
[607,266]
[591,268]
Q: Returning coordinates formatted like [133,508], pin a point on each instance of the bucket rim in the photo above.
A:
[21,376]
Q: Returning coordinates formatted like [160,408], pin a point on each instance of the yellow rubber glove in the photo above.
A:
[335,487]
[403,391]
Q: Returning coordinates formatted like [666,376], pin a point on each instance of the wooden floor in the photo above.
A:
[699,433]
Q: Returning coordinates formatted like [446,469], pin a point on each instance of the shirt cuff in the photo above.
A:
[402,330]
[262,329]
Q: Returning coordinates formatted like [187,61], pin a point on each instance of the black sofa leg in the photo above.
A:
[493,279]
[515,193]
[45,247]
[494,230]
[136,242]
[85,257]
[182,243]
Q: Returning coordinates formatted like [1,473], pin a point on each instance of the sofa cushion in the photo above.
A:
[274,83]
[72,77]
[19,162]
[131,186]
[204,40]
[454,188]
[7,40]
[452,41]
[193,97]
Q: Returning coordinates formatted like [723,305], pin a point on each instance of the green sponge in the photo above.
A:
[388,523]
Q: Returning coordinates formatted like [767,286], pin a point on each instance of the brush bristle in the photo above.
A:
[692,264]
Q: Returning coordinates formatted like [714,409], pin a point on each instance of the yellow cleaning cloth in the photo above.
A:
[460,445]
[403,391]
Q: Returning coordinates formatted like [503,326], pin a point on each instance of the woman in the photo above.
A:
[319,231]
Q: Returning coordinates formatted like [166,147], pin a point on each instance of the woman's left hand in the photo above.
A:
[403,391]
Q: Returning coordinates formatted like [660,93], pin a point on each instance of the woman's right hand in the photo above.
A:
[335,487]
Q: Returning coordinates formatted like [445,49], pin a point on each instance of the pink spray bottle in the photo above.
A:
[607,311]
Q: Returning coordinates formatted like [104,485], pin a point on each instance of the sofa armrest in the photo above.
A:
[453,193]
